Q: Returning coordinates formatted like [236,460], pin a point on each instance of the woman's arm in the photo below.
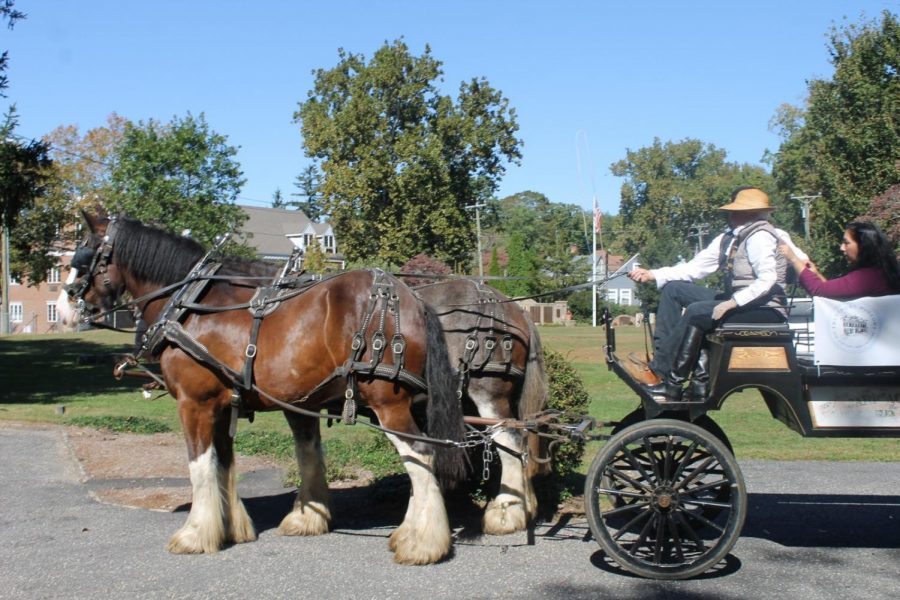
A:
[799,264]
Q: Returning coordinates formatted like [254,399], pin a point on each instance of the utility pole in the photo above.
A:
[805,202]
[478,257]
[700,231]
[4,312]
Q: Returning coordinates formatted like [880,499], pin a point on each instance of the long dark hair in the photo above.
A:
[875,250]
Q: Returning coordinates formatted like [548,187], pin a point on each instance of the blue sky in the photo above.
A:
[589,80]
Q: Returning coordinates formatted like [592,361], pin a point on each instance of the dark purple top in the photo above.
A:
[865,281]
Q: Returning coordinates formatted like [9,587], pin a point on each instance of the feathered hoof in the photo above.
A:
[504,517]
[243,533]
[311,519]
[187,540]
[412,550]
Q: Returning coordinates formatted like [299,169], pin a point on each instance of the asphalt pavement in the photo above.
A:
[814,530]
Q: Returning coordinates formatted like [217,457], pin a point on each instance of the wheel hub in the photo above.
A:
[665,498]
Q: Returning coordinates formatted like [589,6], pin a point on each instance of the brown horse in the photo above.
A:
[315,345]
[500,375]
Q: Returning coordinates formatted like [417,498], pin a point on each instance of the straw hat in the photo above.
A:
[748,199]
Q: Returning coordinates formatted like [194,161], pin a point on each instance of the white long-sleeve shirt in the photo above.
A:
[760,253]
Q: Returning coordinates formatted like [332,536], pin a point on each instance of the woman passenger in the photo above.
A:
[873,266]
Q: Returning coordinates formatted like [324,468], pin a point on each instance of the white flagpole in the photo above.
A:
[594,261]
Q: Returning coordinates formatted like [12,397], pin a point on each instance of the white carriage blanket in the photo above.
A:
[859,333]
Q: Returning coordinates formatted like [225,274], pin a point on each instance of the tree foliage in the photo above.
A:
[845,145]
[9,14]
[422,263]
[307,184]
[24,169]
[884,210]
[179,175]
[400,161]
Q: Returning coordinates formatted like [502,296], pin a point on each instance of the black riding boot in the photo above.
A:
[699,386]
[685,358]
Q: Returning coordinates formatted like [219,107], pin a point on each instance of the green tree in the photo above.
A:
[180,175]
[846,144]
[522,266]
[307,184]
[9,14]
[24,170]
[277,199]
[399,161]
[314,261]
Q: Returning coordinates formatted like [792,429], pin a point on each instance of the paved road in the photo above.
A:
[814,530]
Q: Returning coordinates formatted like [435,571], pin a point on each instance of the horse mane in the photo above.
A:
[154,255]
[157,256]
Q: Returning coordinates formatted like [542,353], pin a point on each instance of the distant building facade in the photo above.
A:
[621,289]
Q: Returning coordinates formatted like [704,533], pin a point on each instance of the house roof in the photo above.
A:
[267,229]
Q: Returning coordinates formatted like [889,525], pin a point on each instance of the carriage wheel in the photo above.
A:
[677,500]
[640,454]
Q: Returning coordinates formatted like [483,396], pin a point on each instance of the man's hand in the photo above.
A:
[722,309]
[641,275]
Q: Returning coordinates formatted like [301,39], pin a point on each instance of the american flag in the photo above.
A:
[598,217]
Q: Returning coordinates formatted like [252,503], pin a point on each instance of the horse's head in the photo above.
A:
[97,284]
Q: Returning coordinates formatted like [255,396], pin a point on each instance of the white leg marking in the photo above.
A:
[204,530]
[424,536]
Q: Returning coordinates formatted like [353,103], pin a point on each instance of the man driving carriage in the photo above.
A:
[754,273]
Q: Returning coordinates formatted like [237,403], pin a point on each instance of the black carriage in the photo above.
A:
[665,497]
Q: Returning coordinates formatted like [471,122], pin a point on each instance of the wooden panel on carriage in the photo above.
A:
[757,356]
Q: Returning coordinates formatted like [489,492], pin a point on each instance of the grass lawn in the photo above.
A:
[41,373]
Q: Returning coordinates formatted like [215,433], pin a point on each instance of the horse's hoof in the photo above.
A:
[410,549]
[311,519]
[189,542]
[411,555]
[503,518]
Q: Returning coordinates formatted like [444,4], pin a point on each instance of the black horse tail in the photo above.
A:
[444,413]
[533,398]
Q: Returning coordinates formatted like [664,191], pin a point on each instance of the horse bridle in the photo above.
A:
[98,260]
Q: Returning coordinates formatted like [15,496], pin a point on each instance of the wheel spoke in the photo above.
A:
[642,537]
[676,539]
[705,487]
[620,532]
[651,457]
[634,483]
[699,516]
[695,473]
[667,459]
[684,461]
[626,508]
[689,531]
[634,463]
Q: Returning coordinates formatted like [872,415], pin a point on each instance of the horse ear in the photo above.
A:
[90,220]
[94,220]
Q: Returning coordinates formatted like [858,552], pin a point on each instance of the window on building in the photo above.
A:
[52,315]
[612,295]
[53,275]
[308,240]
[16,312]
[328,241]
[625,297]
